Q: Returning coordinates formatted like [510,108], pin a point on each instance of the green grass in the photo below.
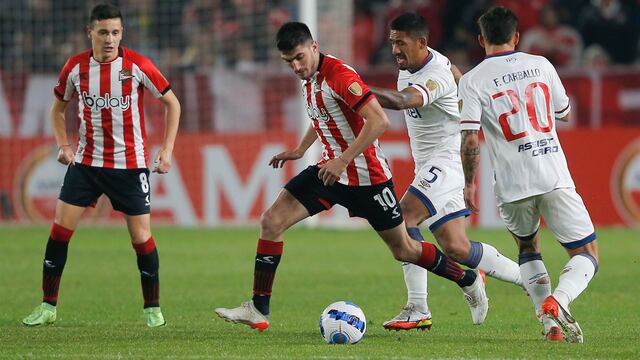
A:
[100,310]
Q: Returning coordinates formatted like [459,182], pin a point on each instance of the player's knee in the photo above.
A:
[455,251]
[271,223]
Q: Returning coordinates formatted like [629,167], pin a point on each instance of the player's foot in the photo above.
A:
[554,334]
[246,314]
[476,297]
[43,314]
[154,317]
[409,318]
[552,308]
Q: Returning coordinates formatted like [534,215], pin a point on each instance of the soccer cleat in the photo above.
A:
[476,297]
[43,314]
[552,308]
[246,314]
[409,318]
[154,317]
[554,334]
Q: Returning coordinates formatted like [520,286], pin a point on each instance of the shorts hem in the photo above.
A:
[576,244]
[424,199]
[464,212]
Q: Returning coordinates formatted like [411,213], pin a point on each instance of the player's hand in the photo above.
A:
[331,171]
[470,198]
[66,155]
[162,163]
[278,160]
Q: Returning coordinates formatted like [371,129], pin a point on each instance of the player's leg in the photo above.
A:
[148,262]
[302,196]
[570,222]
[130,193]
[76,194]
[450,232]
[415,314]
[523,220]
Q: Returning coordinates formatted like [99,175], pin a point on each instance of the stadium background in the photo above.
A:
[241,104]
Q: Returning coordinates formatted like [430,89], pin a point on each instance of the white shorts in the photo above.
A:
[439,184]
[563,212]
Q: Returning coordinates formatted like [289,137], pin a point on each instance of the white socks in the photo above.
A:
[415,277]
[499,266]
[574,278]
[538,284]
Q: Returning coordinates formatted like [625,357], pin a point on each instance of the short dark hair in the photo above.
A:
[498,25]
[412,24]
[104,12]
[291,35]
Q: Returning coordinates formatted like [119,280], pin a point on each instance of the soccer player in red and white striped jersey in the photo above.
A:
[353,172]
[111,156]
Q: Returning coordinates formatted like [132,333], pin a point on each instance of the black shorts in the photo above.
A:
[376,203]
[128,189]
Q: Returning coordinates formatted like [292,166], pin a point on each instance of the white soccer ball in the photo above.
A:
[342,322]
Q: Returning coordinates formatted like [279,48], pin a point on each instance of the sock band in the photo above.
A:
[145,248]
[268,247]
[475,255]
[60,233]
[527,257]
[593,260]
[415,233]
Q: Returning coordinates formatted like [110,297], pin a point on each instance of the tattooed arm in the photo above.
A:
[470,153]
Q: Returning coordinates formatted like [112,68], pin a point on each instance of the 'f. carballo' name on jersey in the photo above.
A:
[97,103]
[515,76]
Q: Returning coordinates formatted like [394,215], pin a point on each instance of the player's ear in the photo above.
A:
[422,41]
[516,38]
[314,46]
[88,31]
[481,40]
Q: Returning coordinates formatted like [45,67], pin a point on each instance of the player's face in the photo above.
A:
[302,60]
[409,52]
[105,38]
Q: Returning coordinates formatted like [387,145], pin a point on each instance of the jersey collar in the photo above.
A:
[502,53]
[424,63]
[120,54]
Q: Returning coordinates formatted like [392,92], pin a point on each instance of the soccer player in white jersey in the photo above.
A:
[516,98]
[111,157]
[427,92]
[347,119]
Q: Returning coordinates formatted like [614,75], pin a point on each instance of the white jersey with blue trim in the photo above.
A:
[434,128]
[515,97]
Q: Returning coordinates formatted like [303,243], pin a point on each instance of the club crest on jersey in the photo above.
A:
[355,89]
[97,103]
[431,85]
[124,75]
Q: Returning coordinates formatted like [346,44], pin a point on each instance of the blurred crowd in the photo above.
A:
[36,36]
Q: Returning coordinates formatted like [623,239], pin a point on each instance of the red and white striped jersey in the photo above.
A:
[110,106]
[333,96]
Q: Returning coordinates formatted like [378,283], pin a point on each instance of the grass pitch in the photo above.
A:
[100,305]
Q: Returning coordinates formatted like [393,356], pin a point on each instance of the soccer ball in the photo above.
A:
[342,322]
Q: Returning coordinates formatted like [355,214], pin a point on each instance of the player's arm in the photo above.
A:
[470,153]
[305,143]
[457,74]
[375,125]
[408,98]
[172,120]
[66,155]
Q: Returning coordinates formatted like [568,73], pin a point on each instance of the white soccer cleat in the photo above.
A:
[409,318]
[572,331]
[246,314]
[476,297]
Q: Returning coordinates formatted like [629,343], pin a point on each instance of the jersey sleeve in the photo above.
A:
[153,79]
[470,107]
[348,85]
[65,88]
[561,103]
[435,86]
